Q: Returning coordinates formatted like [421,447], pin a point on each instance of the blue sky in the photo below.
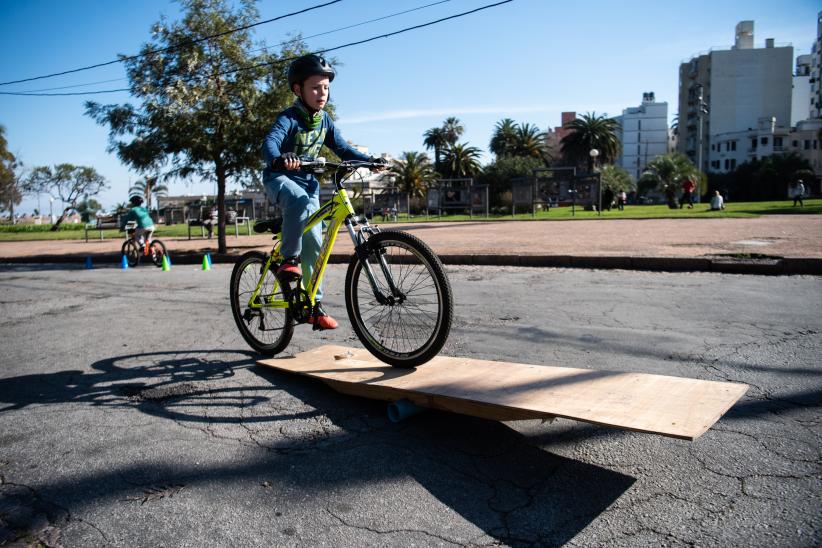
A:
[528,60]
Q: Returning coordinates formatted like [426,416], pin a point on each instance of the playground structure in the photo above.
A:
[552,187]
[669,406]
[457,195]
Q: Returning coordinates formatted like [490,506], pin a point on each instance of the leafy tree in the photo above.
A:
[120,208]
[413,173]
[462,160]
[616,178]
[203,108]
[666,173]
[504,138]
[148,188]
[88,208]
[69,182]
[498,174]
[591,131]
[763,179]
[11,175]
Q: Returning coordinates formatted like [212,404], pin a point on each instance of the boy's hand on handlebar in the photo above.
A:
[382,164]
[289,161]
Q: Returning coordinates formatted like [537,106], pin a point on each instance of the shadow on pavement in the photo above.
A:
[489,474]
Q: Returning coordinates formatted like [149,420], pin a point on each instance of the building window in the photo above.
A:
[727,163]
[795,144]
[807,144]
[733,163]
[764,140]
[753,144]
[777,141]
[733,145]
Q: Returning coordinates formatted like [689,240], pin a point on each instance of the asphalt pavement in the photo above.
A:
[132,413]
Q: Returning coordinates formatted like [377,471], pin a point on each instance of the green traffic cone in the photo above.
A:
[166,264]
[206,265]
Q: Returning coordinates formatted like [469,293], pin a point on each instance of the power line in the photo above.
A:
[33,91]
[169,48]
[287,59]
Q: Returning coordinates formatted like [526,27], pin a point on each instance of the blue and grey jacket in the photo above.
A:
[291,133]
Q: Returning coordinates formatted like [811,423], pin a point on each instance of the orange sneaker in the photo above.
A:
[290,267]
[321,320]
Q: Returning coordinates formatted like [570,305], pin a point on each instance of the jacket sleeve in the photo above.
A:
[272,146]
[341,148]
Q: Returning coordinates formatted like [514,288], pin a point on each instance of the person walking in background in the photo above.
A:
[796,192]
[621,199]
[717,203]
[210,219]
[688,187]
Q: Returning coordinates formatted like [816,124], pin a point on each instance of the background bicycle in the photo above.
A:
[134,250]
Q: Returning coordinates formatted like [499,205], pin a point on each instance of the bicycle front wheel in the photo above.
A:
[265,325]
[406,321]
[132,252]
[157,250]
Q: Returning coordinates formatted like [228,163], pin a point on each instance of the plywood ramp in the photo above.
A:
[670,406]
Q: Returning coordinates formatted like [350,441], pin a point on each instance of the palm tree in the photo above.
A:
[413,173]
[462,161]
[591,132]
[148,188]
[452,130]
[667,172]
[528,141]
[435,139]
[504,138]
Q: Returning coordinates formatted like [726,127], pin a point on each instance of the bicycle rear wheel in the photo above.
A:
[266,329]
[157,250]
[132,252]
[409,326]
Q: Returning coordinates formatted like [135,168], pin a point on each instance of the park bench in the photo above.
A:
[232,218]
[104,222]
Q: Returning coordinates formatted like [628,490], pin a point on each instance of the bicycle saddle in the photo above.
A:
[269,225]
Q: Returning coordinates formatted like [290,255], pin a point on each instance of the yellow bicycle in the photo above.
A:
[397,294]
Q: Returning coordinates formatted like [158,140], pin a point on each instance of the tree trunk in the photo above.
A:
[11,212]
[221,243]
[56,226]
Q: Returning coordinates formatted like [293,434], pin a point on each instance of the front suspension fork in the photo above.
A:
[361,249]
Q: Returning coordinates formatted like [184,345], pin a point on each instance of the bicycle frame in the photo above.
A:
[338,211]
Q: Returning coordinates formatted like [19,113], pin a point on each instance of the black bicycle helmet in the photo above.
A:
[309,65]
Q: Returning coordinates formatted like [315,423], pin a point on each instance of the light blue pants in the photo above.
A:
[297,205]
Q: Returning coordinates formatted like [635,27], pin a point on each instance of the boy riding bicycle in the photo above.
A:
[299,132]
[144,224]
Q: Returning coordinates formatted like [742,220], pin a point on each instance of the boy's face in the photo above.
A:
[314,91]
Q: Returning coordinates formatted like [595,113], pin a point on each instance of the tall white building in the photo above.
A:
[816,71]
[739,86]
[644,134]
[801,97]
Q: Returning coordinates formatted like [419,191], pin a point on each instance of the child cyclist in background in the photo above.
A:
[144,223]
[299,132]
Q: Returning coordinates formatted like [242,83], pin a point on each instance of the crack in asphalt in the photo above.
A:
[392,531]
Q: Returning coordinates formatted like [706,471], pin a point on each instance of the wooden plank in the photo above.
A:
[671,406]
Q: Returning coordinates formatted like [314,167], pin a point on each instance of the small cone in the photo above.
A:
[206,264]
[124,262]
[88,262]
[166,263]
[208,255]
[167,256]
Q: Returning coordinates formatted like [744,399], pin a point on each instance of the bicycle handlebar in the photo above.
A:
[320,164]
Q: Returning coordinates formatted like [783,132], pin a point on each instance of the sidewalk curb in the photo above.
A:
[725,265]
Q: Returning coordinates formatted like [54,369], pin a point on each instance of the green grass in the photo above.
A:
[700,211]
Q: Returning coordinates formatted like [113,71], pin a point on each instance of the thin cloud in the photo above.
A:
[439,112]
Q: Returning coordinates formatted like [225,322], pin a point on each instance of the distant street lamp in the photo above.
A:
[51,212]
[594,153]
